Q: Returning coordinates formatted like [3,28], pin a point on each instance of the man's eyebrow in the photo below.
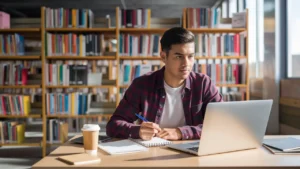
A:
[178,53]
[183,54]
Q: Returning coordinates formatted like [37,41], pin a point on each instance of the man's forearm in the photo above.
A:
[119,128]
[190,132]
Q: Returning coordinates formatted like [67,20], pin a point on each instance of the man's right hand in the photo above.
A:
[148,130]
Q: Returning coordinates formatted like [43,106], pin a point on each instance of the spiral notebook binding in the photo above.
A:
[152,143]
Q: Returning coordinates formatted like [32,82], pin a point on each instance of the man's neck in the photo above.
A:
[174,83]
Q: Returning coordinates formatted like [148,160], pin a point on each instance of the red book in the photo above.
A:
[3,105]
[24,76]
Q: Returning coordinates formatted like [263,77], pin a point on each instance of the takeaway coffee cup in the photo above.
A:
[90,138]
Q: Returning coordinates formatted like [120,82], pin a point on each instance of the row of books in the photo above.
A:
[131,70]
[72,44]
[12,132]
[75,125]
[68,18]
[200,17]
[220,45]
[14,104]
[75,103]
[139,45]
[19,73]
[66,74]
[223,73]
[11,44]
[234,96]
[134,18]
[57,131]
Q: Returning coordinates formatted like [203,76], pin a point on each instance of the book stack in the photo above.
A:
[288,145]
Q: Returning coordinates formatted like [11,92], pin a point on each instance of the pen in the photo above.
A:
[141,117]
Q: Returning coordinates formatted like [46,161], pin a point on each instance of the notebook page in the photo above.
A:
[155,141]
[121,147]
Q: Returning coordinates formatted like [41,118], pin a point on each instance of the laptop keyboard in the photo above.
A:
[194,149]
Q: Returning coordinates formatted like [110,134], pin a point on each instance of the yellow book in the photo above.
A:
[26,103]
[149,18]
[74,18]
[63,132]
[20,133]
[1,133]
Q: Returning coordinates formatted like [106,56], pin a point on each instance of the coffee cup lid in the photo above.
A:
[90,127]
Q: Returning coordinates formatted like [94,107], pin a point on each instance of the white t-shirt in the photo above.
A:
[173,113]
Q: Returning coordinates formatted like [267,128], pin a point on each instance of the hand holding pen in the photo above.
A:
[148,129]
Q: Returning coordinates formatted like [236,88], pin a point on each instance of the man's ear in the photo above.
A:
[163,56]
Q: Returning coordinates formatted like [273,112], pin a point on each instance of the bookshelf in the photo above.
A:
[13,91]
[113,61]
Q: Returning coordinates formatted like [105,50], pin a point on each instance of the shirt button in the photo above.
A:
[163,96]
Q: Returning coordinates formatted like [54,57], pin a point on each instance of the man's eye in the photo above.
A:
[178,57]
[191,56]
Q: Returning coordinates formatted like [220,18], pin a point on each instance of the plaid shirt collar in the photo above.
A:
[160,82]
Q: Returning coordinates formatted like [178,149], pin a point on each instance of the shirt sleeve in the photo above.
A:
[210,94]
[121,124]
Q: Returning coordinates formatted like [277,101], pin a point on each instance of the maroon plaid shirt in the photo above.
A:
[146,95]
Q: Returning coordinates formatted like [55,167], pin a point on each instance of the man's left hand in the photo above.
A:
[170,134]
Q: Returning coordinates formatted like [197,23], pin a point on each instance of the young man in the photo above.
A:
[173,99]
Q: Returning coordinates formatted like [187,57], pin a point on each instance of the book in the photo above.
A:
[279,152]
[79,159]
[288,144]
[122,147]
[155,141]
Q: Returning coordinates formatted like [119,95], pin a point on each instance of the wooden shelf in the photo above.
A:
[81,57]
[20,57]
[81,29]
[124,86]
[140,57]
[20,116]
[29,141]
[220,57]
[143,30]
[219,85]
[82,86]
[22,144]
[217,30]
[15,30]
[79,116]
[20,87]
[231,85]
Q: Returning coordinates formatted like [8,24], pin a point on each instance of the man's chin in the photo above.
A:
[184,75]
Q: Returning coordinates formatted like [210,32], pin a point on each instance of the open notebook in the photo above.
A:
[131,145]
[155,141]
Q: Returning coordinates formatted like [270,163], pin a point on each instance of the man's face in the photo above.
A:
[180,60]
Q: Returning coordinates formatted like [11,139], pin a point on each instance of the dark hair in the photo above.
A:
[176,35]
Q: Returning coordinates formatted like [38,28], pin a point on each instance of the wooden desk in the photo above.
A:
[160,157]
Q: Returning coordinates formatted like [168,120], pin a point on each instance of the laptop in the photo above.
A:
[230,126]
